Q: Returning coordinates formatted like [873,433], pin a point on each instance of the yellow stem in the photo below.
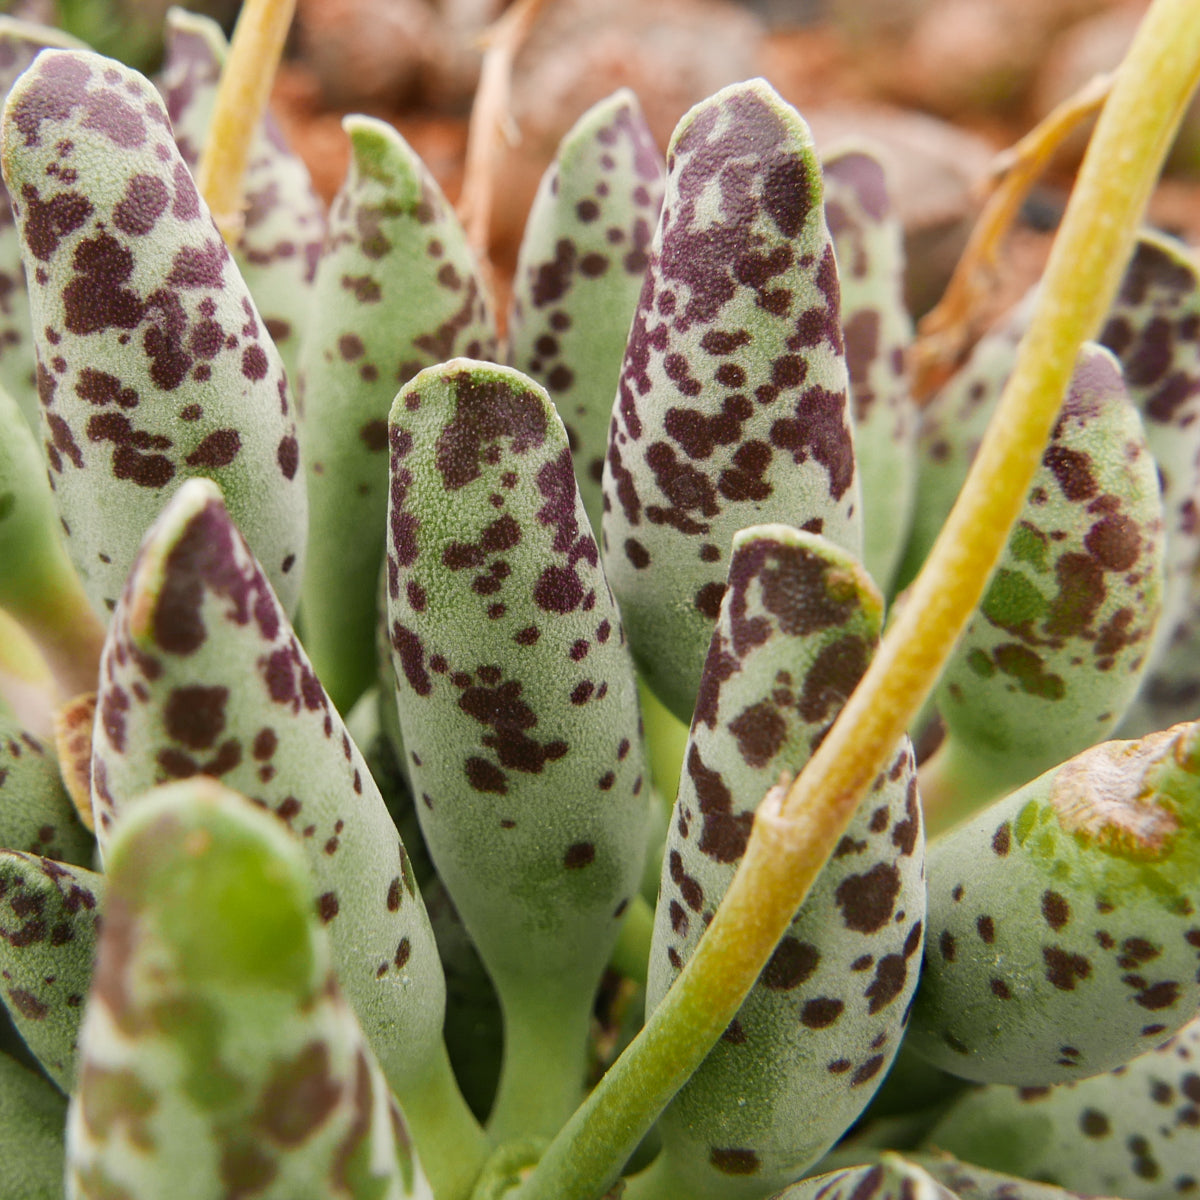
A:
[241,101]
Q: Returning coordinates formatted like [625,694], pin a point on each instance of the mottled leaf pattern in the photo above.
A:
[579,274]
[284,226]
[892,1178]
[49,919]
[1053,656]
[32,1114]
[218,1055]
[153,364]
[515,687]
[36,814]
[969,1182]
[1062,919]
[1134,1132]
[732,404]
[869,243]
[396,290]
[797,628]
[202,675]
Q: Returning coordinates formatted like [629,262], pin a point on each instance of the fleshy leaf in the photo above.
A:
[732,405]
[280,241]
[869,242]
[1054,653]
[202,675]
[153,362]
[1063,937]
[218,1055]
[397,289]
[579,274]
[32,1114]
[49,918]
[36,814]
[969,1182]
[518,706]
[797,628]
[892,1178]
[1133,1132]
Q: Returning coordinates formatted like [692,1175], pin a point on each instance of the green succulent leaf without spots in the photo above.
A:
[397,289]
[153,364]
[202,675]
[36,813]
[49,917]
[869,242]
[20,44]
[580,270]
[218,1054]
[284,219]
[1063,937]
[797,628]
[1133,1132]
[32,1115]
[1055,652]
[732,405]
[515,688]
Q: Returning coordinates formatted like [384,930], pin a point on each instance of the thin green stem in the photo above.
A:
[792,838]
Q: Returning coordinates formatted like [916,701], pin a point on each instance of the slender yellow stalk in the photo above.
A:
[792,838]
[241,101]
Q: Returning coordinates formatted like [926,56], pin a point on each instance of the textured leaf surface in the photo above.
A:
[732,403]
[153,362]
[1054,653]
[218,1055]
[1134,1132]
[1062,919]
[31,1134]
[579,274]
[396,290]
[893,1178]
[280,241]
[798,626]
[969,1182]
[49,918]
[869,243]
[202,675]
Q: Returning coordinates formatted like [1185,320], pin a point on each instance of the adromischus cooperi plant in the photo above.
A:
[236,988]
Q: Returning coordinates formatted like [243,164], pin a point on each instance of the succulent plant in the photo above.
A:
[365,906]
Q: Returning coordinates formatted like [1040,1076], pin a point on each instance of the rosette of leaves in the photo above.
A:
[732,404]
[153,364]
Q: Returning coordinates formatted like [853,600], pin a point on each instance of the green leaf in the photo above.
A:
[32,1114]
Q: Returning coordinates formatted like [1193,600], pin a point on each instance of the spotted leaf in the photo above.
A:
[813,1040]
[284,219]
[36,813]
[1062,919]
[1054,654]
[153,365]
[892,1178]
[398,290]
[1134,1132]
[732,407]
[579,273]
[31,1133]
[869,242]
[517,701]
[202,675]
[969,1182]
[218,1054]
[49,918]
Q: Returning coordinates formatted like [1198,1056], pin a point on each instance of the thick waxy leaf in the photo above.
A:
[1053,656]
[397,289]
[579,274]
[798,625]
[732,404]
[36,814]
[969,1182]
[280,241]
[49,918]
[516,691]
[202,675]
[1063,934]
[20,43]
[869,242]
[153,362]
[892,1178]
[1134,1132]
[31,1134]
[218,1055]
